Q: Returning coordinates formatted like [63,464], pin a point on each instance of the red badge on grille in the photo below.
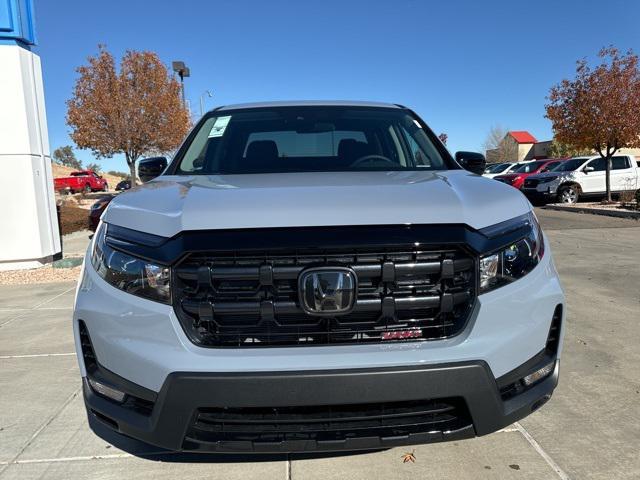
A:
[401,334]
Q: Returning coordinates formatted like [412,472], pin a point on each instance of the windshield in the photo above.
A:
[500,167]
[310,139]
[528,167]
[568,165]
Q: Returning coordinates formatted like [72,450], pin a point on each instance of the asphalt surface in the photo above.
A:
[589,430]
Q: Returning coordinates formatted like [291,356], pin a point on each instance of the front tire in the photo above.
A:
[568,194]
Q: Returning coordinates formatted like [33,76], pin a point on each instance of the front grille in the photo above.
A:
[531,182]
[334,423]
[251,299]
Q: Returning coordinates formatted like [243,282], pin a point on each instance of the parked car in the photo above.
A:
[316,276]
[516,177]
[582,177]
[499,169]
[123,185]
[96,211]
[81,181]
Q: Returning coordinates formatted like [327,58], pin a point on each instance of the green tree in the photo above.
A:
[95,167]
[563,150]
[65,156]
[118,174]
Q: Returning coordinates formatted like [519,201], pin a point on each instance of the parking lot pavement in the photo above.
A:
[589,430]
[75,244]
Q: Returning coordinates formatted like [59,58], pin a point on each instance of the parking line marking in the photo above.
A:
[538,448]
[27,310]
[5,310]
[37,355]
[85,458]
[66,459]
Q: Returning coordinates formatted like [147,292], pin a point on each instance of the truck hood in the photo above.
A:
[171,204]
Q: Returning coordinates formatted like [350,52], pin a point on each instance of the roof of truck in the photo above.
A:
[308,103]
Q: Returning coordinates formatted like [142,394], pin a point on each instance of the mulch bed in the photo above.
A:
[73,219]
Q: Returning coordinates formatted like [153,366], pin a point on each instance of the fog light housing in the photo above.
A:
[107,391]
[539,375]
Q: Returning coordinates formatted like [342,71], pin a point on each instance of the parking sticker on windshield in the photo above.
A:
[219,126]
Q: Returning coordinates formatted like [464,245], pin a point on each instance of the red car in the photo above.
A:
[96,211]
[516,176]
[83,180]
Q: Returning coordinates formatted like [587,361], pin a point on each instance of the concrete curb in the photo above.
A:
[594,211]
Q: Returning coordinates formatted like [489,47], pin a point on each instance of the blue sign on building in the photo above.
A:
[17,22]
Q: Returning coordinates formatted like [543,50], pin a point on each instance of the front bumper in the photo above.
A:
[143,341]
[173,425]
[539,195]
[142,344]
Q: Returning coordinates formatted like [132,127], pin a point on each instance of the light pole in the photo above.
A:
[183,71]
[208,94]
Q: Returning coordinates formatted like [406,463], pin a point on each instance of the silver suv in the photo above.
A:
[313,276]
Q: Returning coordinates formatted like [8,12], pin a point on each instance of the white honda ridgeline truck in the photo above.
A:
[583,177]
[313,276]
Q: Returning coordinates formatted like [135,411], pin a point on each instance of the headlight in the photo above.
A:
[129,274]
[515,260]
[548,179]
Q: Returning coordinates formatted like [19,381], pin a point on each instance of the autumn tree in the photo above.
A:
[135,111]
[599,109]
[65,156]
[498,150]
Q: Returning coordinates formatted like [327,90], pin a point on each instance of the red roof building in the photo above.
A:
[523,136]
[518,146]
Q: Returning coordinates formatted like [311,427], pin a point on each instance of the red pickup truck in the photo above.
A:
[83,180]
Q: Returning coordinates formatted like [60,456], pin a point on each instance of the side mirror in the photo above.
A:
[150,168]
[472,161]
[588,169]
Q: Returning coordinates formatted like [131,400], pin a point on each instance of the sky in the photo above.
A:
[463,66]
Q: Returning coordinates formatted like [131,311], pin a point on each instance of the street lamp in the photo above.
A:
[208,94]
[183,71]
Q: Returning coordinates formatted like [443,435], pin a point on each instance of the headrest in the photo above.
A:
[262,150]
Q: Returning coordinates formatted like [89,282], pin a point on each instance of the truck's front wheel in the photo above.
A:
[568,194]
